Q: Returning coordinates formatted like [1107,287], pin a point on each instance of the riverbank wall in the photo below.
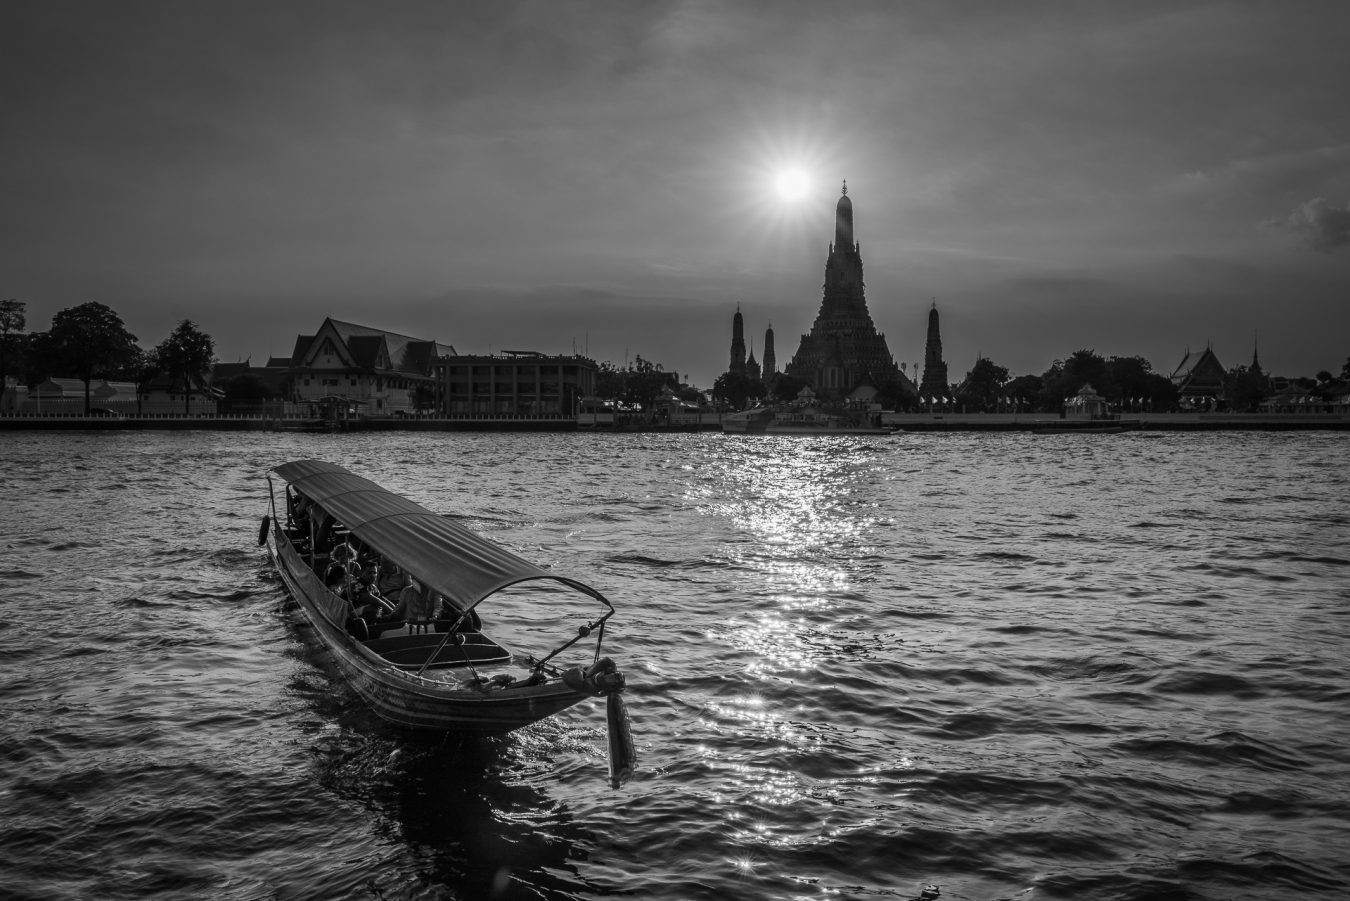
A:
[901,422]
[1145,422]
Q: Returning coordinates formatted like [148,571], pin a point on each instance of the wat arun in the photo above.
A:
[843,351]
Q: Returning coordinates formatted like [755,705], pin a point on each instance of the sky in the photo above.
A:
[607,178]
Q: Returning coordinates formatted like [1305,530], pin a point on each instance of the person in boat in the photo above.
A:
[322,525]
[344,555]
[393,582]
[300,511]
[447,615]
[366,608]
[336,579]
[365,596]
[417,603]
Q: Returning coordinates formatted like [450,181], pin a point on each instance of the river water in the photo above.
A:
[1003,666]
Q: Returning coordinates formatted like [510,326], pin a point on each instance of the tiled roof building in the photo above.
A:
[380,371]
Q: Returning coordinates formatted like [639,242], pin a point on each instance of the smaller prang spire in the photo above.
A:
[737,343]
[934,367]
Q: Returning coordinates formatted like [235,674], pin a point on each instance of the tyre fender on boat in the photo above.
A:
[600,678]
[262,529]
[603,678]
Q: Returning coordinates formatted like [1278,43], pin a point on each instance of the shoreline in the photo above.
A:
[900,422]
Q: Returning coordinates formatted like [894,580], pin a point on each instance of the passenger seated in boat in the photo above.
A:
[335,578]
[393,580]
[323,525]
[417,604]
[365,596]
[447,615]
[345,555]
[300,510]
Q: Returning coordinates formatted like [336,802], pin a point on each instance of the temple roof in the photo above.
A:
[375,349]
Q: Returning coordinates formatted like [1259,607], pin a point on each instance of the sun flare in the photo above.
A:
[791,184]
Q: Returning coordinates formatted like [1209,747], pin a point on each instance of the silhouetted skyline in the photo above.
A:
[1132,178]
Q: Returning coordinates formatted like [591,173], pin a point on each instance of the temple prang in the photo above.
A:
[843,351]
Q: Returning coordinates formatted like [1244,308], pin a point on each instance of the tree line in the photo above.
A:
[90,342]
[1125,382]
[1128,382]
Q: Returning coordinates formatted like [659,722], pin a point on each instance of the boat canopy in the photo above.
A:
[438,552]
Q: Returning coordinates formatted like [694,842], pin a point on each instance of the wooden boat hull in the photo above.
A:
[401,696]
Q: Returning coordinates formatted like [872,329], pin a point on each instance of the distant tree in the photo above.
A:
[735,390]
[1025,390]
[245,388]
[646,381]
[787,387]
[187,355]
[895,394]
[148,367]
[40,358]
[1160,394]
[423,398]
[1345,370]
[1323,376]
[983,387]
[1127,379]
[1244,389]
[640,384]
[12,338]
[1065,378]
[91,341]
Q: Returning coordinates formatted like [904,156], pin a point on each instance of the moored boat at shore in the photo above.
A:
[428,672]
[798,421]
[1086,427]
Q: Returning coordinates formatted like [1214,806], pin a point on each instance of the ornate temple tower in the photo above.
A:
[737,343]
[770,364]
[934,369]
[843,348]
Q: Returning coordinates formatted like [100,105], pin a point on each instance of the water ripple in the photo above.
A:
[1004,666]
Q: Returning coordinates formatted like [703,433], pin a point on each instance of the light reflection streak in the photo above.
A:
[735,714]
[777,641]
[799,514]
[797,499]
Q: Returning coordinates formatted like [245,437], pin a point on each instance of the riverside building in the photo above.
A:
[518,383]
[383,373]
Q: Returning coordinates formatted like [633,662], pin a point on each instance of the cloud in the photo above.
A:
[1317,225]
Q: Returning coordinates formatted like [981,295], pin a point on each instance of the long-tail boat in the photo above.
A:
[443,674]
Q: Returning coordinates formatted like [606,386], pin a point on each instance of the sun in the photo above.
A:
[791,183]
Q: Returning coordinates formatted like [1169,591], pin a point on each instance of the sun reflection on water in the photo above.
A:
[798,528]
[749,714]
[794,499]
[777,642]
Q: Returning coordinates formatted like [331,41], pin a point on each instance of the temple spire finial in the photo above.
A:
[845,190]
